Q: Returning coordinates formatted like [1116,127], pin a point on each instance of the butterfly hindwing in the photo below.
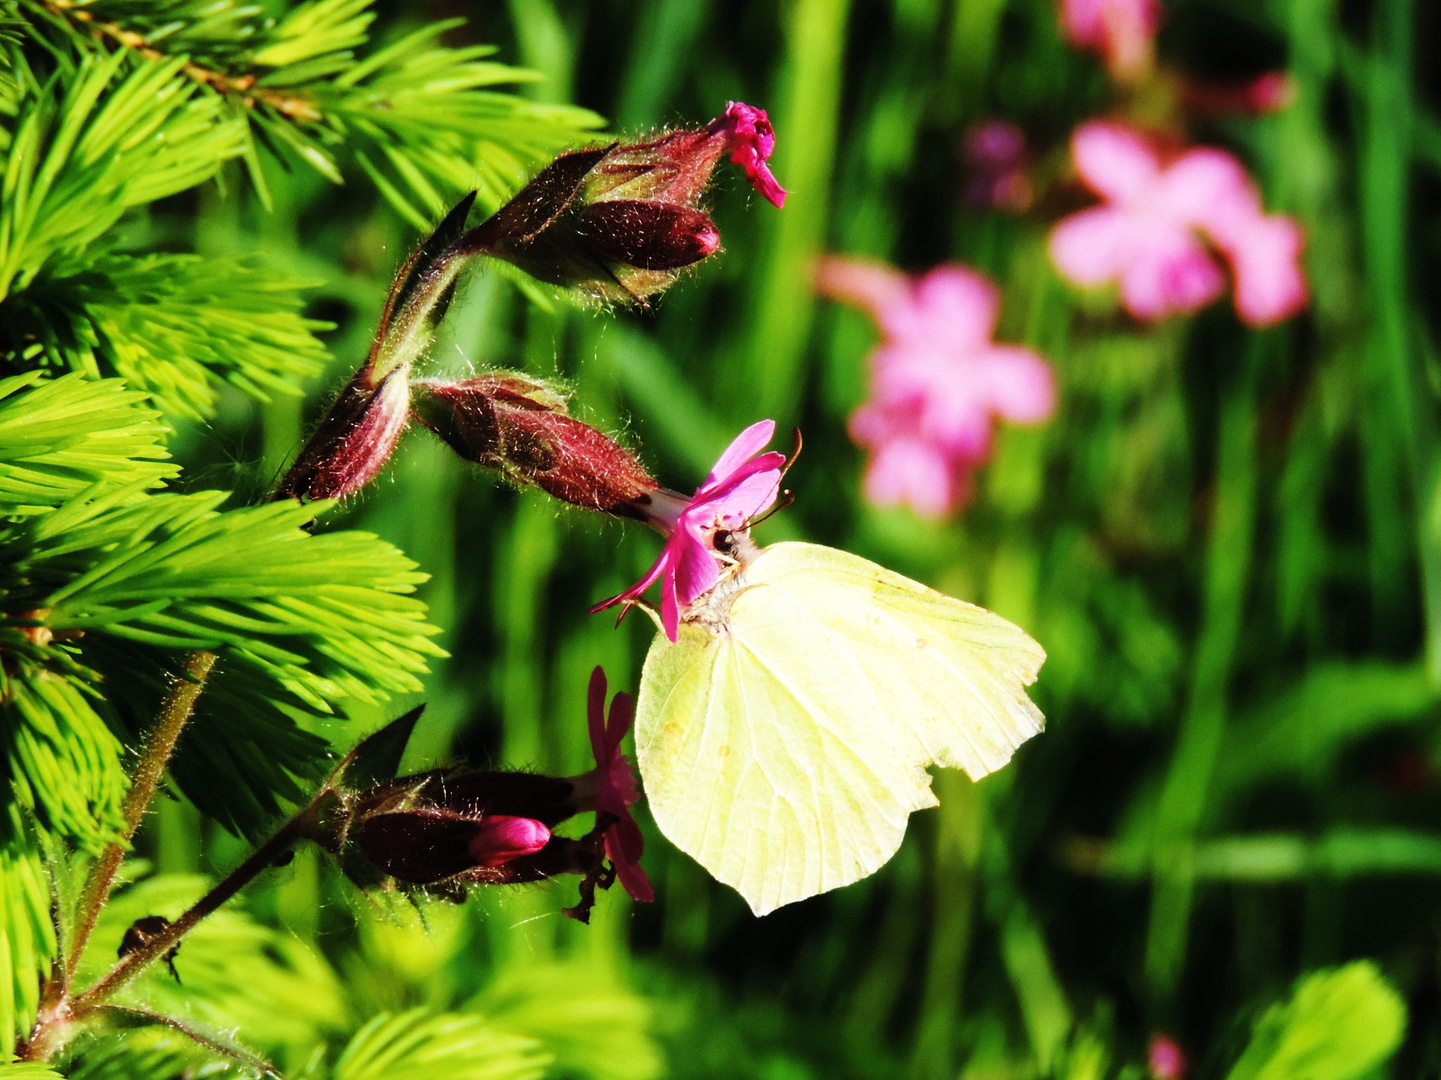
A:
[786,750]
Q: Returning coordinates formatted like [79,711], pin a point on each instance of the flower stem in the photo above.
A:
[156,946]
[175,712]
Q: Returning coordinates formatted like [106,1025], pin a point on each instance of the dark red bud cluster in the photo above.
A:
[620,222]
[508,421]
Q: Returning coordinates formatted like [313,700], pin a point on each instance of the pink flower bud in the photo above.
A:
[510,422]
[500,839]
[1166,1060]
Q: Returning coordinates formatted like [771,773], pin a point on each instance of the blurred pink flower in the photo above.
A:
[1150,234]
[995,157]
[1123,32]
[616,790]
[1166,1059]
[938,380]
[751,140]
[1266,93]
[740,487]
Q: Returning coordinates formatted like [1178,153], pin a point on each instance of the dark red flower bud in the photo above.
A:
[516,424]
[353,442]
[426,845]
[620,222]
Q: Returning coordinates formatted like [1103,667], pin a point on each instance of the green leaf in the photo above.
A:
[593,1023]
[29,1072]
[328,615]
[94,141]
[419,1045]
[60,759]
[1338,1025]
[173,324]
[27,936]
[60,436]
[1300,732]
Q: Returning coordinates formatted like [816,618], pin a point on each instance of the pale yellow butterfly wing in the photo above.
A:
[785,750]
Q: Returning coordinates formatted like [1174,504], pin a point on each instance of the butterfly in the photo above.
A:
[783,736]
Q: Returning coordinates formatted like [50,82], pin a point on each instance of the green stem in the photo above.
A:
[1183,798]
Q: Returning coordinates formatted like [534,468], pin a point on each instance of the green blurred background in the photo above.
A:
[1228,541]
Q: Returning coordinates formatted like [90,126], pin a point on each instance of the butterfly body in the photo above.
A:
[783,737]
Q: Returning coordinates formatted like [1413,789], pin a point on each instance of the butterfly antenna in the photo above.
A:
[787,497]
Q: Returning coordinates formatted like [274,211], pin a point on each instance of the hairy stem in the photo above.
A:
[174,714]
[156,946]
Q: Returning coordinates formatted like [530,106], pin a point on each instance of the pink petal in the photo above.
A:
[1020,384]
[1205,185]
[595,716]
[1091,247]
[669,608]
[907,471]
[862,283]
[1266,262]
[744,446]
[1081,22]
[622,714]
[1174,274]
[696,571]
[638,589]
[498,839]
[751,140]
[954,304]
[747,493]
[1115,161]
[624,846]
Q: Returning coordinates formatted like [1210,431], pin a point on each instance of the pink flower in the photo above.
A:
[499,839]
[739,488]
[615,786]
[1151,232]
[1166,1059]
[751,140]
[1122,31]
[938,380]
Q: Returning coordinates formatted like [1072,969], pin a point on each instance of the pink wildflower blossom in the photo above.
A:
[616,790]
[938,380]
[751,141]
[1151,232]
[740,487]
[1123,32]
[1166,1059]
